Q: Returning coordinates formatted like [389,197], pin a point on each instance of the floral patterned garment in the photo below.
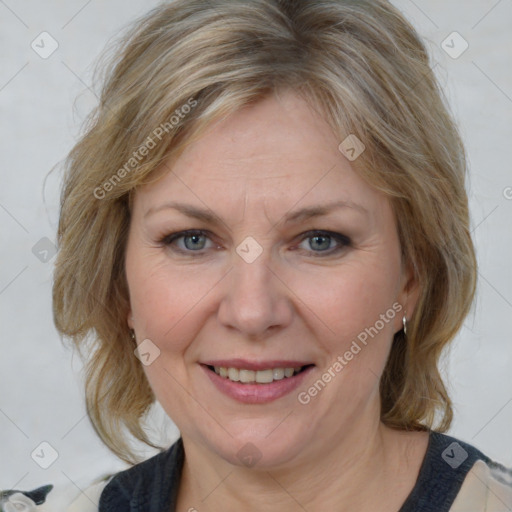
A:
[24,501]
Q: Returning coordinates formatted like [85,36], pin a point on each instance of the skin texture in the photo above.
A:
[292,302]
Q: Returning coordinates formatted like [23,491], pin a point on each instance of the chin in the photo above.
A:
[261,447]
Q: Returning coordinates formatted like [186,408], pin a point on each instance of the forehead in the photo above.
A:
[278,131]
[279,149]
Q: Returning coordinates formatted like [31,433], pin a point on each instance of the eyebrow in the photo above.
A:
[301,215]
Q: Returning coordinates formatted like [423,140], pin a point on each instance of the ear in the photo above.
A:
[409,292]
[129,319]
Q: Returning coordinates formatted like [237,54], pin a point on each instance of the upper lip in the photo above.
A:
[256,365]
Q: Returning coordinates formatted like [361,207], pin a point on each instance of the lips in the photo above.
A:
[256,382]
[245,364]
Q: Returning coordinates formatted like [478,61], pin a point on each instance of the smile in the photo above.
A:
[263,383]
[260,376]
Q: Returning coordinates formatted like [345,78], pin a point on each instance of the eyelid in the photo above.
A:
[168,240]
[343,240]
[179,234]
[322,232]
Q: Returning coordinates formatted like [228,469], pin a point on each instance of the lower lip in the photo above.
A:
[256,393]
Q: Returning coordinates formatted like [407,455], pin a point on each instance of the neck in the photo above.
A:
[355,470]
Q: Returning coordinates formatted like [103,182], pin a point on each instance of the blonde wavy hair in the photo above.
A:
[360,64]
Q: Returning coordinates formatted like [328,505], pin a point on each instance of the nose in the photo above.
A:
[255,299]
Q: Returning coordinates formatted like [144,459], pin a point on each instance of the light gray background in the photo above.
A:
[42,103]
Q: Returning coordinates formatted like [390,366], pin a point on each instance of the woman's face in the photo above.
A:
[292,262]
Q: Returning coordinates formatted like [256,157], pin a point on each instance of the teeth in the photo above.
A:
[233,374]
[247,375]
[264,376]
[278,373]
[260,376]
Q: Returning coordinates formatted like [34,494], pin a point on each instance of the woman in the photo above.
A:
[265,228]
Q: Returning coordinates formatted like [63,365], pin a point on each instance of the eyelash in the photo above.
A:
[342,240]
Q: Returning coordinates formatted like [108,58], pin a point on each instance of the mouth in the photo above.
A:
[256,383]
[265,376]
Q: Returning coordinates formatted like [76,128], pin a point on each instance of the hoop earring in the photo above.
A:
[404,322]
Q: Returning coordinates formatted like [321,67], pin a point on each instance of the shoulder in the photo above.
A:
[487,487]
[157,478]
[479,483]
[88,500]
[118,488]
[456,476]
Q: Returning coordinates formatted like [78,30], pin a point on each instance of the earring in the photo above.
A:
[404,322]
[132,334]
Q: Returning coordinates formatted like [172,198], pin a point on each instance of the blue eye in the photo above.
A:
[194,240]
[321,243]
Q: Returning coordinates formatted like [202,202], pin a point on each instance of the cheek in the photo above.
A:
[165,301]
[358,309]
[350,299]
[164,305]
